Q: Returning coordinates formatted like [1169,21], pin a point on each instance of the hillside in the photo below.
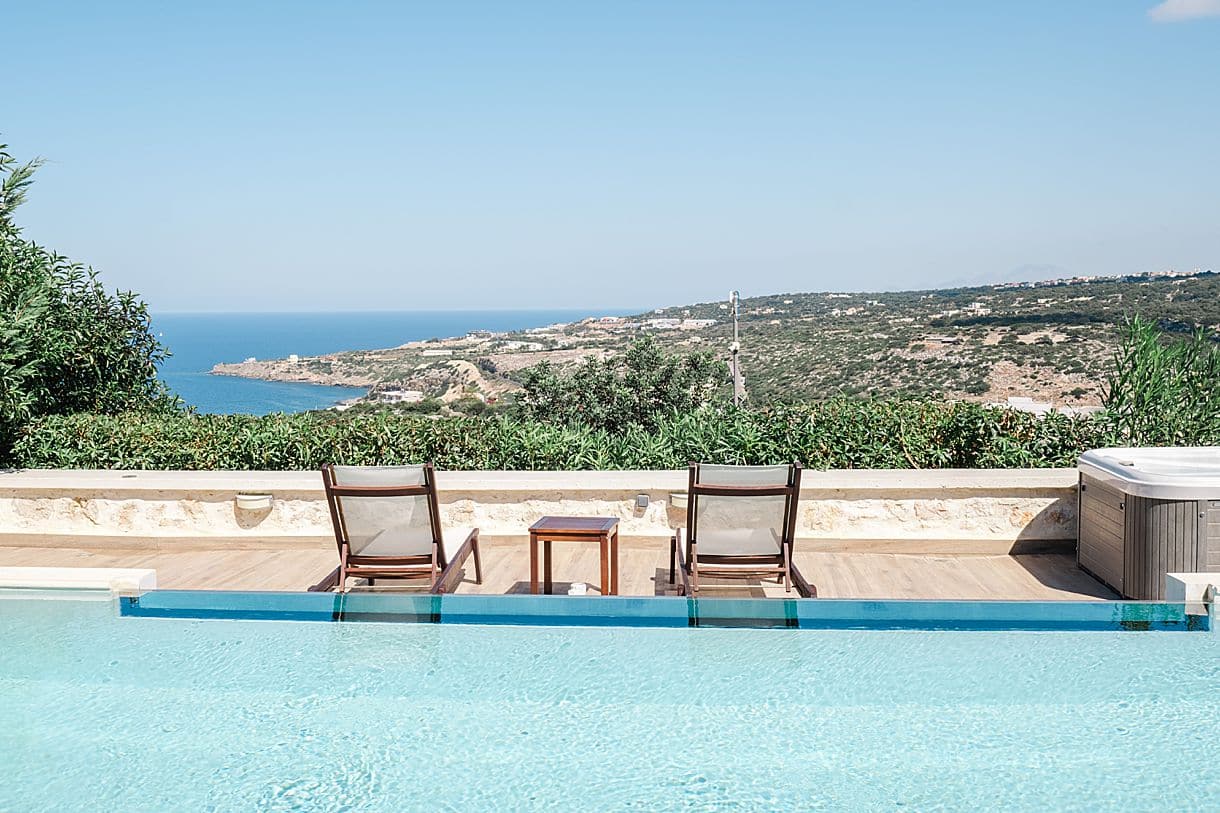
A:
[1050,340]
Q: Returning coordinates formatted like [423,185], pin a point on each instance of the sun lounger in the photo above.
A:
[387,526]
[740,524]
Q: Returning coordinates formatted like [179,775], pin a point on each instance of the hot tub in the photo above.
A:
[1148,512]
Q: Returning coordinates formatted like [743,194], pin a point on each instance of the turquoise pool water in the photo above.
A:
[103,712]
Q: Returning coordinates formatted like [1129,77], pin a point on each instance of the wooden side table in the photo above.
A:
[603,530]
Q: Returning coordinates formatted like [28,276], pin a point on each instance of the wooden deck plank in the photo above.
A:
[643,571]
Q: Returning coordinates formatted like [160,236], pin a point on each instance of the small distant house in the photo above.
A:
[399,396]
[1023,403]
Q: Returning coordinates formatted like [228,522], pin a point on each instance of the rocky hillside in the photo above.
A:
[1051,341]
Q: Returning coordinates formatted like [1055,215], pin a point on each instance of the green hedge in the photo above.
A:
[837,434]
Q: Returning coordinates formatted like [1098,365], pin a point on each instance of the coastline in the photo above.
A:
[290,373]
[206,370]
[470,366]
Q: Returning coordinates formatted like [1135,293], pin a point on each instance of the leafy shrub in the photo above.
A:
[66,345]
[640,388]
[833,434]
[469,405]
[1164,390]
[428,406]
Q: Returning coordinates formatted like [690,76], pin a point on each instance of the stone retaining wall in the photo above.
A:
[953,511]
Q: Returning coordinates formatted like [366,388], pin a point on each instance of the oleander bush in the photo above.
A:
[835,434]
[1165,390]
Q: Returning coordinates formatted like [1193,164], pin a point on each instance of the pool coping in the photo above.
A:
[119,581]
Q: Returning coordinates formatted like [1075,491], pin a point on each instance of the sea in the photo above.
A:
[198,341]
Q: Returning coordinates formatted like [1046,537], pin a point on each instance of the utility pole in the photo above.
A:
[739,386]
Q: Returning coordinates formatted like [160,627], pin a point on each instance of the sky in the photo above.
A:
[230,156]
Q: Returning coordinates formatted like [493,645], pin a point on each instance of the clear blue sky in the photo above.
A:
[293,156]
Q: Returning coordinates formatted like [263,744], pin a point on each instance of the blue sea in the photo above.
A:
[200,340]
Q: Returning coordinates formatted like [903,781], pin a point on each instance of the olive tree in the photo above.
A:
[641,387]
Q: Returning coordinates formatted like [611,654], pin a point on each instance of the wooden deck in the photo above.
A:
[643,571]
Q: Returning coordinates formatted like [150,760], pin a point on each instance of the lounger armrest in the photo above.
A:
[679,551]
[452,574]
[803,586]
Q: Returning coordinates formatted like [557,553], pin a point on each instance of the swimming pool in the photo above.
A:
[102,711]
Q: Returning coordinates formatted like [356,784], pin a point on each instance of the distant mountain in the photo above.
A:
[1030,272]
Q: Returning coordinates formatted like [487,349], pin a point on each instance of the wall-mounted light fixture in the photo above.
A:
[254,502]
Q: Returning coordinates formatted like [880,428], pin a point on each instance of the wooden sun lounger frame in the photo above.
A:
[684,558]
[443,573]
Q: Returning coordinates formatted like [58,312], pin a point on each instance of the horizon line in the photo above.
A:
[390,310]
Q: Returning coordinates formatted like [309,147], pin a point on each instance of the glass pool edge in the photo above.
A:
[669,612]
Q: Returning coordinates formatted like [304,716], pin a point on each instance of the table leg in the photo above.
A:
[547,587]
[614,563]
[605,557]
[533,564]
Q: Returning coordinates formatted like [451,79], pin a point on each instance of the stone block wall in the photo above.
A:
[952,511]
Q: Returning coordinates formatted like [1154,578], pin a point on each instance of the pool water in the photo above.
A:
[101,712]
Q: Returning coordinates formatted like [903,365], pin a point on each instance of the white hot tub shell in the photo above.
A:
[1147,512]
